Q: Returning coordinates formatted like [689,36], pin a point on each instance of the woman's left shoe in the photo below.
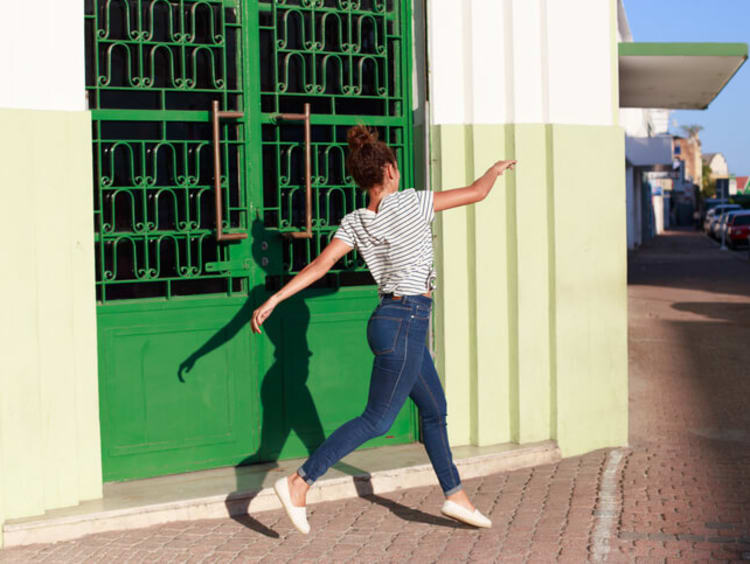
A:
[460,513]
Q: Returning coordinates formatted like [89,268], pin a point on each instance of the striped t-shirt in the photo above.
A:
[396,242]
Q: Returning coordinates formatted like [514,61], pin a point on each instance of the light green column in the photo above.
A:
[49,407]
[532,421]
[454,319]
[590,287]
[529,279]
[494,258]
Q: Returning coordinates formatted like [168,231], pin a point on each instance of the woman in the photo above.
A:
[393,236]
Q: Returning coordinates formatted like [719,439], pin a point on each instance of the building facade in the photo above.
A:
[139,254]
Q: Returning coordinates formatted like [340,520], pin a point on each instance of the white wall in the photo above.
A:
[521,61]
[634,204]
[635,121]
[658,206]
[42,49]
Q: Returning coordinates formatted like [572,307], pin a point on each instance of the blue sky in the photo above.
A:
[727,119]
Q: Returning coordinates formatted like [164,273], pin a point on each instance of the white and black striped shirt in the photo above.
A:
[396,242]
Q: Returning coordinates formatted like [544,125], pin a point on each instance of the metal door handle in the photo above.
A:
[216,115]
[305,116]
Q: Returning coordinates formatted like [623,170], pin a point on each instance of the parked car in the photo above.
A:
[738,229]
[713,227]
[707,206]
[719,223]
[707,220]
[720,226]
[716,215]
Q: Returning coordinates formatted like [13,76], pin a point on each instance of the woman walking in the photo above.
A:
[393,235]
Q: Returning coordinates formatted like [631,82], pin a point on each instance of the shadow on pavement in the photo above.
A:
[738,313]
[689,260]
[689,387]
[365,491]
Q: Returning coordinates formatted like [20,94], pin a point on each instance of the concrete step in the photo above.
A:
[226,492]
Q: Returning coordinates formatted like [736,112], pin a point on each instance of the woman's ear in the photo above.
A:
[391,170]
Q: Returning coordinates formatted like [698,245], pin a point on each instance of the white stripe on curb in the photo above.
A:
[607,509]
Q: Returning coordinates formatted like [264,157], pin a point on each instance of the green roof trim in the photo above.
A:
[639,49]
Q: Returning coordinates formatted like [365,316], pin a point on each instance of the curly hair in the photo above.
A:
[367,156]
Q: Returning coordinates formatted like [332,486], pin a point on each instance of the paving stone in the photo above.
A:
[683,485]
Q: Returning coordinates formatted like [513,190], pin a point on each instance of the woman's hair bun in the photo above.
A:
[359,136]
[367,156]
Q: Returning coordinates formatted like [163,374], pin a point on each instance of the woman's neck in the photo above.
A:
[375,195]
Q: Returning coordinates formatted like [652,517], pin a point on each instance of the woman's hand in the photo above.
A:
[501,166]
[262,313]
[312,272]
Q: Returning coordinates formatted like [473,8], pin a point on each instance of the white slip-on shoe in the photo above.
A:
[460,513]
[298,515]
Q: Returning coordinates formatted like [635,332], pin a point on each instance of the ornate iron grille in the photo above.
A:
[347,59]
[153,69]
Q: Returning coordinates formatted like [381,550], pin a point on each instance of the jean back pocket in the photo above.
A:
[382,334]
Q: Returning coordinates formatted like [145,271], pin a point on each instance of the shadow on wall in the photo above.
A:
[278,422]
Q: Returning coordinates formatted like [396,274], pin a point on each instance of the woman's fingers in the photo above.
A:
[259,316]
[502,166]
[257,320]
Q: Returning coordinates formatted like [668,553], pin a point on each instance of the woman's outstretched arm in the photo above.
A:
[311,273]
[475,192]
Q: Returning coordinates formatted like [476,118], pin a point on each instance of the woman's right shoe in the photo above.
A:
[460,513]
[298,515]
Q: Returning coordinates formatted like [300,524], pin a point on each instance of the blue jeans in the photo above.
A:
[403,367]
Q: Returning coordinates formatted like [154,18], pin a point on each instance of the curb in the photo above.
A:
[47,529]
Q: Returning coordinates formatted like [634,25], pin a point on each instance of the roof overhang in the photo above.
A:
[680,76]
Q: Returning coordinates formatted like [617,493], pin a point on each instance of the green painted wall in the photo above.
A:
[590,287]
[531,311]
[49,405]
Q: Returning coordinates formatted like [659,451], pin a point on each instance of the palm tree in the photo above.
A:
[692,131]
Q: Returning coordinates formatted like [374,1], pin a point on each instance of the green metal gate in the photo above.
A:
[188,244]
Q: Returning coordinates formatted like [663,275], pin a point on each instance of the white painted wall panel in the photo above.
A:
[42,49]
[447,62]
[528,59]
[579,62]
[521,61]
[491,61]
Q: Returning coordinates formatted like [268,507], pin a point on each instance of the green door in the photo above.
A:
[183,383]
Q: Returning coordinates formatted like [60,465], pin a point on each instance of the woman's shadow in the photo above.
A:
[285,399]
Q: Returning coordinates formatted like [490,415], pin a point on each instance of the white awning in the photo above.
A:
[676,75]
[649,151]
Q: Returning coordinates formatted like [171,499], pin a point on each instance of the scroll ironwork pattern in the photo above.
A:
[160,54]
[347,59]
[153,194]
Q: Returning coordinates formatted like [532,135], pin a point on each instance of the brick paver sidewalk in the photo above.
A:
[680,491]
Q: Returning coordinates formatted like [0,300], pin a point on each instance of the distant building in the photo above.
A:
[718,164]
[743,184]
[719,173]
[689,151]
